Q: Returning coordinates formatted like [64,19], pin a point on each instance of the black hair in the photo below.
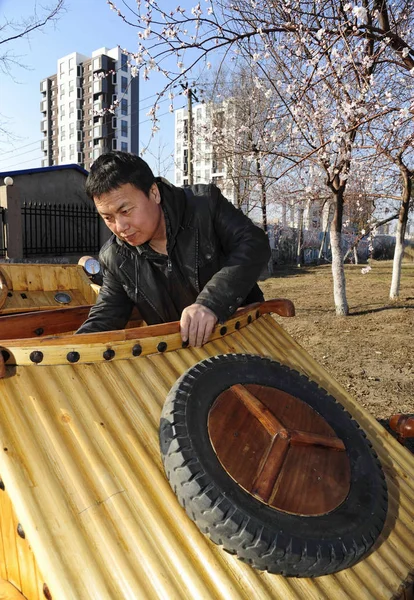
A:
[113,169]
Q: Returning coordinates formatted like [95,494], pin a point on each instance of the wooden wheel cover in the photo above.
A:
[279,449]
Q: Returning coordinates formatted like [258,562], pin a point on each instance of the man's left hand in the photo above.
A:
[197,323]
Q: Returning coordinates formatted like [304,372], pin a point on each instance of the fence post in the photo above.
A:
[10,200]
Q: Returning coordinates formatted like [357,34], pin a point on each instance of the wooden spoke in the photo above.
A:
[279,449]
[272,465]
[304,438]
[272,425]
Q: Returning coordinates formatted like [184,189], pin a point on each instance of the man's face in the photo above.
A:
[131,215]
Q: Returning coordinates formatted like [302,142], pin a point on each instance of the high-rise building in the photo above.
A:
[90,106]
[209,164]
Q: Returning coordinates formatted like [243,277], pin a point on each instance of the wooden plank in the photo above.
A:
[272,425]
[3,571]
[240,441]
[28,572]
[49,279]
[9,592]
[63,279]
[4,289]
[33,278]
[19,278]
[313,481]
[9,533]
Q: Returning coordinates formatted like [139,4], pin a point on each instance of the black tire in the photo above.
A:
[266,538]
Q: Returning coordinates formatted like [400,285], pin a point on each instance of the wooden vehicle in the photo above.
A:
[86,509]
[30,287]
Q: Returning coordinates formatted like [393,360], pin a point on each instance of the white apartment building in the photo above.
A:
[208,166]
[77,123]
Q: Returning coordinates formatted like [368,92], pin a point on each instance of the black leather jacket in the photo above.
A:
[217,251]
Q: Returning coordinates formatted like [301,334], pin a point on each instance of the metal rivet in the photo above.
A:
[73,356]
[20,531]
[257,314]
[9,294]
[36,356]
[5,449]
[109,354]
[46,592]
[136,350]
[185,344]
[24,296]
[237,325]
[223,330]
[39,331]
[162,346]
[2,485]
[249,319]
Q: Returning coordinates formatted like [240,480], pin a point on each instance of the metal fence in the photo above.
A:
[59,229]
[3,246]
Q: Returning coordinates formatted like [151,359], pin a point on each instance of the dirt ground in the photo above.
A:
[370,352]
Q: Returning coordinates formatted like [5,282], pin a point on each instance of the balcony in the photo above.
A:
[44,125]
[45,145]
[102,63]
[100,86]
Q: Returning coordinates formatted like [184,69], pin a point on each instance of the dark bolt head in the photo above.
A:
[249,319]
[109,354]
[36,356]
[6,355]
[223,330]
[162,346]
[136,350]
[185,344]
[46,592]
[237,325]
[257,314]
[73,357]
[39,331]
[20,531]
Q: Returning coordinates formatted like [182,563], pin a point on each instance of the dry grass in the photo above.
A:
[371,352]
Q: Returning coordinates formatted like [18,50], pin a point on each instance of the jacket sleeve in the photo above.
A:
[112,309]
[246,250]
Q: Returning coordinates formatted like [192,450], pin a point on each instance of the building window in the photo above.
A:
[124,146]
[62,68]
[124,128]
[124,84]
[124,107]
[124,62]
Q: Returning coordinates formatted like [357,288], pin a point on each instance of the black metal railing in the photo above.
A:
[3,245]
[59,228]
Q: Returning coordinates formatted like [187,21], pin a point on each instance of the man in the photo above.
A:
[177,254]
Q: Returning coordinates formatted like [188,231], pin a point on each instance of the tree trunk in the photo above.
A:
[325,232]
[400,234]
[299,251]
[338,273]
[355,255]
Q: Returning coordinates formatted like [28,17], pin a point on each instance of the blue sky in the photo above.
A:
[85,26]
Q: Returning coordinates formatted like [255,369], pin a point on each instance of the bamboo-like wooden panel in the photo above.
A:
[17,562]
[83,470]
[33,286]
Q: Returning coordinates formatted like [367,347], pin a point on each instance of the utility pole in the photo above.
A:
[190,96]
[190,135]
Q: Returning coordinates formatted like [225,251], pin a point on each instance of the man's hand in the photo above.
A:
[197,323]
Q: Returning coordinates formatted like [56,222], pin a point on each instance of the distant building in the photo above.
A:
[76,124]
[208,165]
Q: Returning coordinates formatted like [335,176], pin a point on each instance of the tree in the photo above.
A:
[12,30]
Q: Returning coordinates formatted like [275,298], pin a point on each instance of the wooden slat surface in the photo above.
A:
[84,471]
